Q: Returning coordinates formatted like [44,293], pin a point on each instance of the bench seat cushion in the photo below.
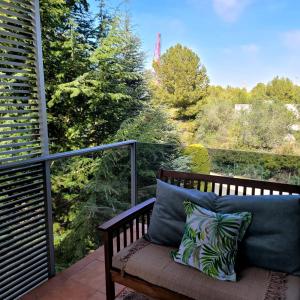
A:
[153,264]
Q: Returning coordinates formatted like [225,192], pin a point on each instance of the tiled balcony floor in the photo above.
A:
[84,280]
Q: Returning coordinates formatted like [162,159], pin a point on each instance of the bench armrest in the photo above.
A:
[127,216]
[111,234]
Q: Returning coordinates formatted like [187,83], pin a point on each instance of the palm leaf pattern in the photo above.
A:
[247,218]
[210,241]
[189,207]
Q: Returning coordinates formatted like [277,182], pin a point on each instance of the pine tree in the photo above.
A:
[103,20]
[181,81]
[92,107]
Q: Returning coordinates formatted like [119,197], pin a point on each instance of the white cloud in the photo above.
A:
[291,39]
[230,10]
[252,49]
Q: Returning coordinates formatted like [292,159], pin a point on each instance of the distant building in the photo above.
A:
[242,107]
[247,107]
[293,108]
[295,127]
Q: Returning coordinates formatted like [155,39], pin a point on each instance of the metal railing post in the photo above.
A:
[133,172]
[49,218]
[40,80]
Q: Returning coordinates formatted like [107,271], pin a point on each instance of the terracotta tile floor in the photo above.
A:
[84,280]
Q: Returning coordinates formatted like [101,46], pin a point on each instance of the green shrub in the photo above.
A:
[200,162]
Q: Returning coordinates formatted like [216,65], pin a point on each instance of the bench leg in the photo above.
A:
[110,288]
[108,253]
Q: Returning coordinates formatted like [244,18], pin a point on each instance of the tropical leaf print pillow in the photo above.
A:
[210,241]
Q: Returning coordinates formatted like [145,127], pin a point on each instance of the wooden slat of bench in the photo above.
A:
[172,176]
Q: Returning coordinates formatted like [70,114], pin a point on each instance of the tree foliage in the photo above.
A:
[106,182]
[97,92]
[266,125]
[70,35]
[181,81]
[281,89]
[92,107]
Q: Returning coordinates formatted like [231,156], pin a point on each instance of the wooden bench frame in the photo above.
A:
[130,225]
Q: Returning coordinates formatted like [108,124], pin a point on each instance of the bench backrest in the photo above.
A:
[222,185]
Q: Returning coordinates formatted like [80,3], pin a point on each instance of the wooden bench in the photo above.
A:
[132,224]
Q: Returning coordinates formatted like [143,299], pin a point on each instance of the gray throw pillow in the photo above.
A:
[272,240]
[168,216]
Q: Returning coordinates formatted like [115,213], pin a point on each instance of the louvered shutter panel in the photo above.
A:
[21,107]
[26,240]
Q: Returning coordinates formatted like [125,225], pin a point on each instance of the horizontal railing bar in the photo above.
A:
[28,255]
[10,231]
[11,205]
[21,156]
[22,169]
[18,64]
[18,105]
[19,111]
[17,84]
[12,218]
[12,13]
[17,36]
[19,50]
[17,91]
[20,182]
[12,181]
[63,155]
[24,289]
[13,42]
[21,280]
[22,236]
[15,145]
[9,70]
[17,57]
[21,270]
[13,159]
[25,31]
[16,21]
[27,3]
[13,77]
[19,131]
[21,150]
[18,253]
[11,125]
[15,98]
[15,273]
[28,186]
[30,99]
[27,192]
[11,91]
[20,137]
[26,10]
[29,239]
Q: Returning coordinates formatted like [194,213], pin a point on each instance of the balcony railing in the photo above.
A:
[37,221]
[26,227]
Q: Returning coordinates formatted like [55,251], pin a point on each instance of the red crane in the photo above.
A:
[157,51]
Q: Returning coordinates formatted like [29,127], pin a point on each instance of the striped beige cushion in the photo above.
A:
[153,264]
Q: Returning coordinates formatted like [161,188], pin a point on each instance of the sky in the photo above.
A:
[240,42]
